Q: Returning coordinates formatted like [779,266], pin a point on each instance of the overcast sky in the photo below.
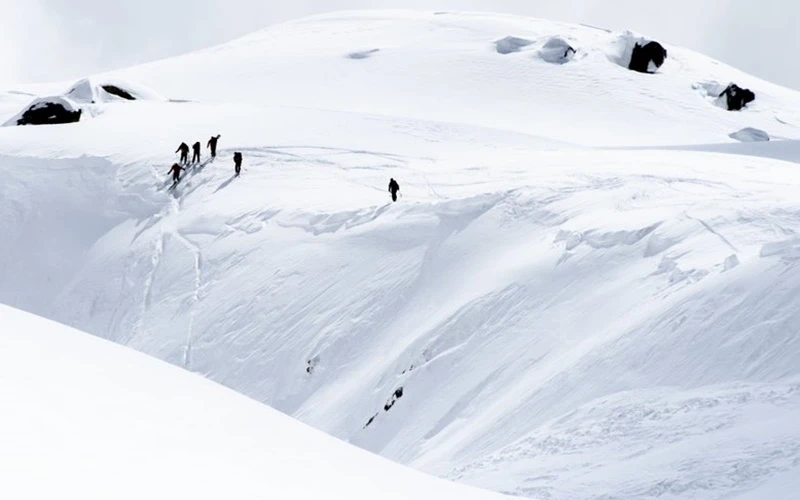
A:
[47,40]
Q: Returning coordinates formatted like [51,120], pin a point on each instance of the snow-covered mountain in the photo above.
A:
[83,418]
[588,289]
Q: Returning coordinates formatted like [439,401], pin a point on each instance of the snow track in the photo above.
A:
[195,296]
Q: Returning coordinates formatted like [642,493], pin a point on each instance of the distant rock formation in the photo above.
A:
[737,97]
[84,99]
[647,58]
[398,393]
[312,365]
[48,111]
[114,90]
[97,90]
[557,51]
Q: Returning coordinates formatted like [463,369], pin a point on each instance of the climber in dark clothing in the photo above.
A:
[212,144]
[196,152]
[176,174]
[237,162]
[394,187]
[184,149]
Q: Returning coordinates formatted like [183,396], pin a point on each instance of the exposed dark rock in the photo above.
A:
[312,364]
[648,57]
[48,113]
[114,90]
[736,97]
[397,395]
[371,419]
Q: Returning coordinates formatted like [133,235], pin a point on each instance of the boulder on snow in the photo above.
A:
[47,111]
[114,90]
[511,44]
[557,51]
[647,58]
[99,90]
[750,134]
[736,97]
[636,53]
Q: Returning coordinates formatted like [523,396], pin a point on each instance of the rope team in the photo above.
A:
[183,149]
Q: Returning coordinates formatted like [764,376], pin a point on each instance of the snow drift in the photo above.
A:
[557,50]
[750,134]
[511,44]
[97,90]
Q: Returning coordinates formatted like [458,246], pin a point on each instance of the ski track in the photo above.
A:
[196,294]
[711,230]
[155,261]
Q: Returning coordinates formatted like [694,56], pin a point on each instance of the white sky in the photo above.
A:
[47,40]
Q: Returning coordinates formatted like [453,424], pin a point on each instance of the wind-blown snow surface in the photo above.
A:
[84,418]
[564,321]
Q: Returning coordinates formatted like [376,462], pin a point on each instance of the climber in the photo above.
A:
[184,150]
[237,162]
[196,152]
[212,144]
[176,174]
[394,187]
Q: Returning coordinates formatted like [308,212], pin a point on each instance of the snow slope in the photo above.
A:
[587,290]
[84,418]
[445,67]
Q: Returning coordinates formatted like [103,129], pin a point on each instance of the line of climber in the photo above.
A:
[183,149]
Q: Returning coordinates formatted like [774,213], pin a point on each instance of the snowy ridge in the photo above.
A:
[445,67]
[586,285]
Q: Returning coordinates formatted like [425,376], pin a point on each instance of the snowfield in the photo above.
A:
[84,418]
[589,288]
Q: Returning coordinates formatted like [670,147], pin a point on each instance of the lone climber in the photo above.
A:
[212,144]
[196,152]
[394,187]
[184,150]
[176,174]
[237,162]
